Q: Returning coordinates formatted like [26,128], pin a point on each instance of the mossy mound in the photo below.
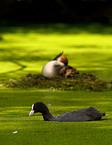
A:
[84,81]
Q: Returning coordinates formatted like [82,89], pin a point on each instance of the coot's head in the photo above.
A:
[38,107]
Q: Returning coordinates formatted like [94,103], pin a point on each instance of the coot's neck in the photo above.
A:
[47,115]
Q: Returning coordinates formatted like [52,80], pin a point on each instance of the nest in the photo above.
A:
[84,81]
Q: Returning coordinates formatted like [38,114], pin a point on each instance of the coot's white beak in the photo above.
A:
[31,112]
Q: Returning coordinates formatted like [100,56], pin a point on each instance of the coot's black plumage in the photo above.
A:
[88,114]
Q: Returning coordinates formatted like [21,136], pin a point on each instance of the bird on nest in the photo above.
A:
[58,67]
